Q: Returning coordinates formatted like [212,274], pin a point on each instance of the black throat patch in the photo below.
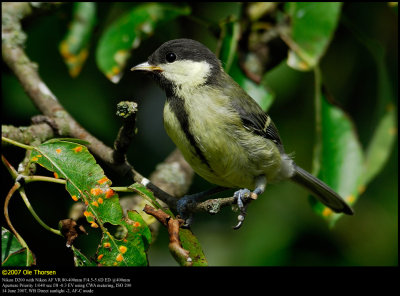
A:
[177,106]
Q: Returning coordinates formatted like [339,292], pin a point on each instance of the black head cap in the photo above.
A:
[184,49]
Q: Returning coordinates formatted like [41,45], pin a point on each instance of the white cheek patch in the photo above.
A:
[186,73]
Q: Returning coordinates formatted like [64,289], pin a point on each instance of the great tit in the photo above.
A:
[221,131]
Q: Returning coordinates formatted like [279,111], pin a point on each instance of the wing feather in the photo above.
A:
[253,118]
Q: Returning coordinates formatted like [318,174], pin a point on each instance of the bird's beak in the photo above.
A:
[146,67]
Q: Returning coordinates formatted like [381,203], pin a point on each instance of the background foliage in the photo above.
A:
[281,227]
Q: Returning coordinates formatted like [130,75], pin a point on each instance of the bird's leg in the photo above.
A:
[261,183]
[187,203]
[239,195]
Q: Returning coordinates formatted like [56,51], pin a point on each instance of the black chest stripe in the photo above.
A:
[177,106]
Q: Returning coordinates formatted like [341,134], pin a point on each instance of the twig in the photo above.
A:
[27,134]
[173,176]
[158,192]
[159,214]
[26,71]
[175,246]
[126,110]
[213,206]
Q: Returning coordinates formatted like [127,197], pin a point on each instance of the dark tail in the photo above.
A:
[321,191]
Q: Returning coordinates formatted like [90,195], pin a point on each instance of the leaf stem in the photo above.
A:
[9,167]
[29,179]
[32,211]
[6,202]
[16,186]
[122,189]
[15,143]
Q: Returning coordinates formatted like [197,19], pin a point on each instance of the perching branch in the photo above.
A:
[174,175]
[13,40]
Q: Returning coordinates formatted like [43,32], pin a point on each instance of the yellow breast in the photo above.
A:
[215,144]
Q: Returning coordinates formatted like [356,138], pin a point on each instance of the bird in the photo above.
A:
[221,131]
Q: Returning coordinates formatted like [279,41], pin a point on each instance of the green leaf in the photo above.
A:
[312,25]
[128,31]
[80,260]
[385,133]
[12,253]
[86,182]
[258,92]
[383,138]
[380,145]
[130,249]
[190,242]
[74,47]
[148,195]
[71,140]
[340,157]
[148,198]
[227,53]
[227,49]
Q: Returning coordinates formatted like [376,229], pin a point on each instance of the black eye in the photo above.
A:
[170,57]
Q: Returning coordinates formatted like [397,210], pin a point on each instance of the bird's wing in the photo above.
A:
[254,119]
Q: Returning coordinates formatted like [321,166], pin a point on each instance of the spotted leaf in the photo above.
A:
[86,182]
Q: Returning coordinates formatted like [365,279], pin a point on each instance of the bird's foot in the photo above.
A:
[243,198]
[185,206]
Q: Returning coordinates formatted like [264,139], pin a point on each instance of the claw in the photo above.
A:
[239,195]
[240,219]
[187,222]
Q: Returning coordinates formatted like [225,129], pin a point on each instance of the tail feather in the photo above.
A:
[321,191]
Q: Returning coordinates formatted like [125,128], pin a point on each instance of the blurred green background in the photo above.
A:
[281,228]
